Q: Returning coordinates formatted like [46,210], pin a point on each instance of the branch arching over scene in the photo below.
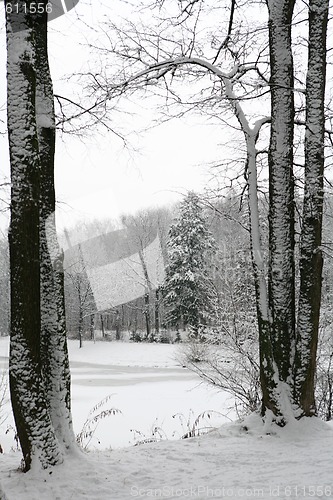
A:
[148,59]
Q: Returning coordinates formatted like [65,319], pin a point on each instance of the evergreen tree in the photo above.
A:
[189,292]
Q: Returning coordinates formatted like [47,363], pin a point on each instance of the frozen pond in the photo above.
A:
[156,396]
[112,376]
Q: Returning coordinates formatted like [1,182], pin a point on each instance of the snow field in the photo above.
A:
[236,460]
[144,382]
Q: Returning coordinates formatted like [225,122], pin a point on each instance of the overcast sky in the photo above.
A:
[98,177]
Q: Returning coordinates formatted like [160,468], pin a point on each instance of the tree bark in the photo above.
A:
[147,294]
[102,326]
[92,327]
[30,406]
[281,273]
[54,353]
[157,311]
[311,261]
[146,313]
[118,324]
[266,356]
[80,322]
[268,369]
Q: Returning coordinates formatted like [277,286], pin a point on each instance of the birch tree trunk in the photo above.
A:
[54,354]
[34,427]
[311,261]
[267,364]
[281,273]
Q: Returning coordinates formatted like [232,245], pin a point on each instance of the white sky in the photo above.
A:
[97,177]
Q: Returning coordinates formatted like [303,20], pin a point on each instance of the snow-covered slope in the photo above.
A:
[230,462]
[236,460]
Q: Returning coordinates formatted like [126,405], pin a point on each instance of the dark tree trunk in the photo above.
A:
[102,326]
[263,314]
[311,261]
[135,320]
[118,324]
[54,354]
[30,406]
[92,327]
[281,278]
[157,311]
[80,322]
[146,313]
[147,294]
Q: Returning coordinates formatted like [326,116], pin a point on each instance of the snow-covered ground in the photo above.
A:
[149,386]
[144,381]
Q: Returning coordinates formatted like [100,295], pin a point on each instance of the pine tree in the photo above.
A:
[189,293]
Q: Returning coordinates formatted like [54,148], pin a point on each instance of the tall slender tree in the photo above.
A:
[289,349]
[54,354]
[311,260]
[37,347]
[276,358]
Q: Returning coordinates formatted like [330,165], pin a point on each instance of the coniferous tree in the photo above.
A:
[189,292]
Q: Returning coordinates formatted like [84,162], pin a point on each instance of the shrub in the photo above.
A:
[232,365]
[89,427]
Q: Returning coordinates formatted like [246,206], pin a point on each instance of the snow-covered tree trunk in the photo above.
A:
[30,408]
[311,261]
[264,318]
[54,354]
[267,365]
[281,273]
